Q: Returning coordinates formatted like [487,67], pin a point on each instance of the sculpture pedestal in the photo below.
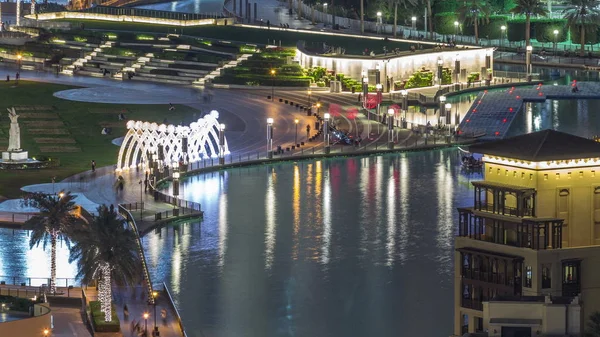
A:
[14,156]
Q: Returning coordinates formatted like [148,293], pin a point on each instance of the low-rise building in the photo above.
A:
[533,230]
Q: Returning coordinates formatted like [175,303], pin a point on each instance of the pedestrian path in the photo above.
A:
[492,112]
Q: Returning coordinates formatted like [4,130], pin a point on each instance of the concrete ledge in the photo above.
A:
[261,87]
[543,64]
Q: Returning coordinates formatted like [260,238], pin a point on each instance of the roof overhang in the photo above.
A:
[543,165]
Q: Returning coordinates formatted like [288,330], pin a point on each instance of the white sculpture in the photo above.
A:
[14,140]
[144,138]
[14,152]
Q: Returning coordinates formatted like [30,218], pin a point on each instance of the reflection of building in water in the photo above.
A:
[528,249]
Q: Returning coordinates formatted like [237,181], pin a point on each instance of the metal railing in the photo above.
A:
[131,221]
[166,290]
[150,13]
[134,206]
[37,281]
[20,292]
[14,218]
[174,213]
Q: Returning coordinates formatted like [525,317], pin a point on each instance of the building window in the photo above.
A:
[571,275]
[546,276]
[528,277]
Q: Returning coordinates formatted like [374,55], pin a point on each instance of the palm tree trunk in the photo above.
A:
[582,41]
[332,14]
[476,26]
[527,29]
[53,263]
[362,16]
[395,18]
[105,292]
[430,17]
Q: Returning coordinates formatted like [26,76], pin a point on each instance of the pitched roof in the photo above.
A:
[538,146]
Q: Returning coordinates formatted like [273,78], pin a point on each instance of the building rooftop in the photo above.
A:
[539,146]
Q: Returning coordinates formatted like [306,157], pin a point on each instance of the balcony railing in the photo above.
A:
[505,210]
[471,304]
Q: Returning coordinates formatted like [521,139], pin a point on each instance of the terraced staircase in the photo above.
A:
[81,63]
[217,71]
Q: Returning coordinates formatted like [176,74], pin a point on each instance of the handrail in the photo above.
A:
[166,289]
[129,218]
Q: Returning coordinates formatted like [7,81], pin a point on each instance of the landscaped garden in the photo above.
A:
[270,67]
[69,132]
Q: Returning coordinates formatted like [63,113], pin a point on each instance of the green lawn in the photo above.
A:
[81,124]
[248,35]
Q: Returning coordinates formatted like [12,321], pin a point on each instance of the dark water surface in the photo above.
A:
[342,247]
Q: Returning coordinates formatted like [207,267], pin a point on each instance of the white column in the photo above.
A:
[32,7]
[18,13]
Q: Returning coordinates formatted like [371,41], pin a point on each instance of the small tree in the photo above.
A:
[473,12]
[582,15]
[54,221]
[106,249]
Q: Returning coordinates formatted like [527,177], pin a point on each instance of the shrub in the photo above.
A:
[16,303]
[145,37]
[98,319]
[446,76]
[420,79]
[474,77]
[490,30]
[443,23]
[321,84]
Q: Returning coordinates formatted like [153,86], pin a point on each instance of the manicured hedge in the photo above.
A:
[487,30]
[98,319]
[168,72]
[443,23]
[591,36]
[541,29]
[544,30]
[248,79]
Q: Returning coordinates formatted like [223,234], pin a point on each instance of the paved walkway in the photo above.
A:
[493,112]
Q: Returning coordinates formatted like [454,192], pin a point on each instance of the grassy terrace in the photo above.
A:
[288,38]
[69,131]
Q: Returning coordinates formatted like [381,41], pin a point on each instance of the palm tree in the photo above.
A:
[106,249]
[55,221]
[430,19]
[403,3]
[529,8]
[583,14]
[473,12]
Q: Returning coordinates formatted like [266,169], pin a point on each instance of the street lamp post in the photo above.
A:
[442,100]
[457,72]
[309,92]
[404,94]
[272,84]
[176,176]
[555,40]
[455,29]
[528,51]
[503,33]
[440,65]
[318,105]
[414,24]
[448,110]
[326,117]
[46,331]
[19,59]
[325,8]
[222,144]
[378,86]
[141,200]
[391,113]
[270,138]
[379,22]
[296,121]
[154,295]
[146,323]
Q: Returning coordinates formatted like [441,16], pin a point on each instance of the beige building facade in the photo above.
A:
[533,230]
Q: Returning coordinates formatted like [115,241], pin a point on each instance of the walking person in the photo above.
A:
[163,314]
[126,312]
[93,166]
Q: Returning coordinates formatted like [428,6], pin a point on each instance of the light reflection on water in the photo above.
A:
[18,262]
[342,247]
